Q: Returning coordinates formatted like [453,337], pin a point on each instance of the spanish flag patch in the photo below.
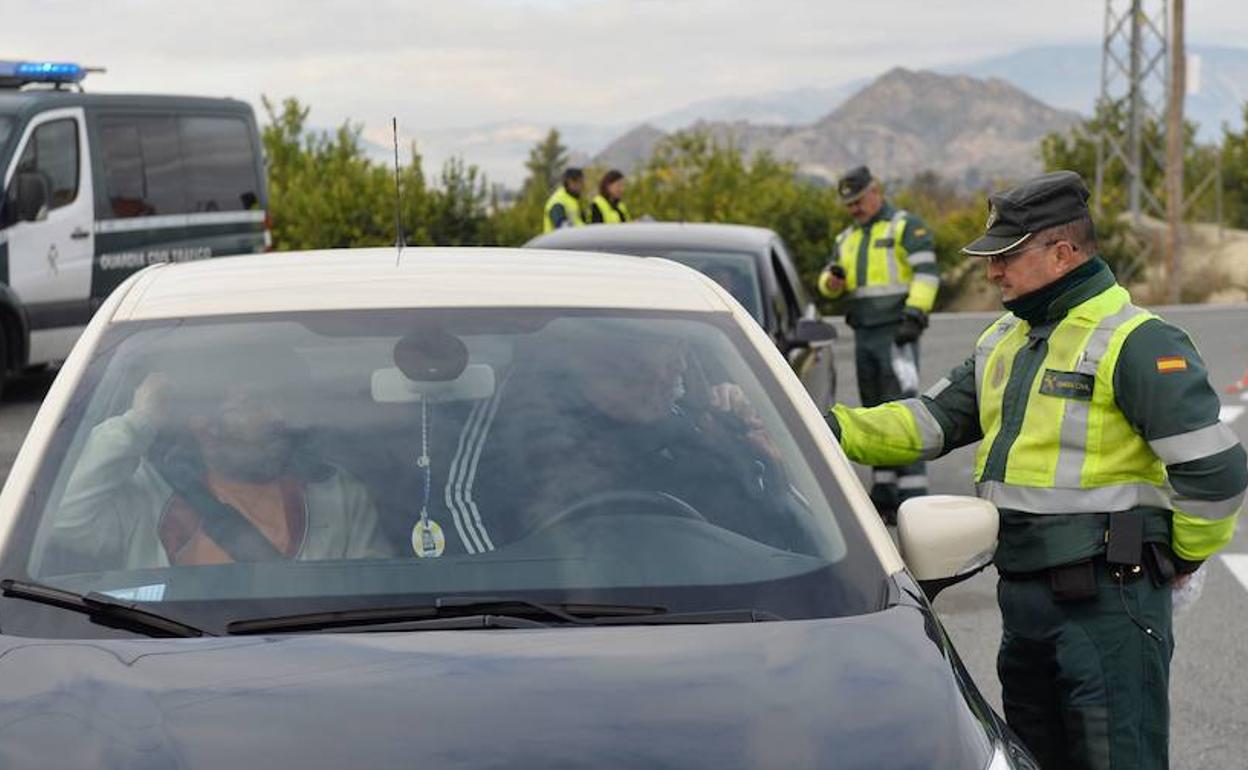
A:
[1168,364]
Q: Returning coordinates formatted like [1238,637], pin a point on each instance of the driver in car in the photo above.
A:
[209,479]
[614,415]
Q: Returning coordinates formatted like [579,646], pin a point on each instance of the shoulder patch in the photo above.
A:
[1171,364]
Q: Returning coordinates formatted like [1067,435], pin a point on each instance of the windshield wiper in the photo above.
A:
[446,607]
[460,612]
[102,609]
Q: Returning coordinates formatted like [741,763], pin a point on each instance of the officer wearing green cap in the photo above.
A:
[1101,445]
[885,266]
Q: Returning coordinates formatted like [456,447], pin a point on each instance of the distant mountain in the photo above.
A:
[970,131]
[786,108]
[632,149]
[1063,77]
[1069,77]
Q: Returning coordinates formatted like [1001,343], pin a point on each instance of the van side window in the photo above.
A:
[220,164]
[142,166]
[52,152]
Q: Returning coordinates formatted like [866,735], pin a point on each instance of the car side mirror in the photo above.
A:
[27,200]
[946,539]
[811,332]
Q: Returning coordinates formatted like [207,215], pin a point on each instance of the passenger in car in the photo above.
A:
[178,480]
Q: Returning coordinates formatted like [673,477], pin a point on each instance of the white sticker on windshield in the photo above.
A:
[150,593]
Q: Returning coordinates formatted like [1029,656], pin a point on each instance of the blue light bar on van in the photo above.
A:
[22,72]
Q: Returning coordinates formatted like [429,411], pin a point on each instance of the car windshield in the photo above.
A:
[736,271]
[248,467]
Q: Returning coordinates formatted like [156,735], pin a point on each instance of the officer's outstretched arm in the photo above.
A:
[1162,387]
[924,428]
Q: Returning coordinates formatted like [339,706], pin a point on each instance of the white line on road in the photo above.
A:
[1237,563]
[1229,414]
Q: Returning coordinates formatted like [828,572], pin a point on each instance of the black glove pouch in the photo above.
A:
[1160,565]
[1073,582]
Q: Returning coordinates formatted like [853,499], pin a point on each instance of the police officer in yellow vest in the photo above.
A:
[885,265]
[608,206]
[563,207]
[1101,445]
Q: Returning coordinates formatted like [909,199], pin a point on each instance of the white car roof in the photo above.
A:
[419,277]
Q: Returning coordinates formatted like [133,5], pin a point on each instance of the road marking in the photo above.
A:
[1229,414]
[1237,563]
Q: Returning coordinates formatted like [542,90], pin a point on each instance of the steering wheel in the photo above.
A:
[662,502]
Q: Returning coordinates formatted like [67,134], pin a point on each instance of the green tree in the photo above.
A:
[324,191]
[545,165]
[1235,173]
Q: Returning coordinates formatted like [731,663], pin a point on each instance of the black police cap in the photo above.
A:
[854,184]
[572,172]
[1015,215]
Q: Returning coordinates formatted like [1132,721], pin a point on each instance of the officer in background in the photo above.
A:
[885,264]
[608,206]
[1101,445]
[563,207]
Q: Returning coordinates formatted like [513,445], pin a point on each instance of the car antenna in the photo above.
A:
[398,196]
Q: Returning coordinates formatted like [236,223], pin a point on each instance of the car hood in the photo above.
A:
[863,692]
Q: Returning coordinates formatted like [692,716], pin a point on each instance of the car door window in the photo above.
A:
[787,308]
[52,152]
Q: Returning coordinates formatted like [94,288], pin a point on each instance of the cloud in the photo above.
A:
[442,64]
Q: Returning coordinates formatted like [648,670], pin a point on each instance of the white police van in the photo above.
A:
[97,186]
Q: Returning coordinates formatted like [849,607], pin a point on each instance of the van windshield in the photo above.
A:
[397,457]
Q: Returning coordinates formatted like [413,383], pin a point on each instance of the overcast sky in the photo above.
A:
[465,62]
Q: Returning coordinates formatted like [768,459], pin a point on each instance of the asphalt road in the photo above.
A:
[1209,674]
[1209,685]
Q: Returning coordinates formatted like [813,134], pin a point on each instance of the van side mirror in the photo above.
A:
[27,199]
[946,539]
[811,332]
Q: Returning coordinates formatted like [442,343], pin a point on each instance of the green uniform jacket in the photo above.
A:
[1172,407]
[889,264]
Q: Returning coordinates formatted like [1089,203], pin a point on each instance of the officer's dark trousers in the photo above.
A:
[1083,684]
[878,383]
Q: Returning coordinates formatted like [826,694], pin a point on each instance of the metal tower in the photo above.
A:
[1134,88]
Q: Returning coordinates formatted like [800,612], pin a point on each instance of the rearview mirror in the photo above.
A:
[946,539]
[812,332]
[391,386]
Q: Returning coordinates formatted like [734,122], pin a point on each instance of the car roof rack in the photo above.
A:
[58,75]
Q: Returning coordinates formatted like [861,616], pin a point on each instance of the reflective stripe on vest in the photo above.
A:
[884,274]
[1075,452]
